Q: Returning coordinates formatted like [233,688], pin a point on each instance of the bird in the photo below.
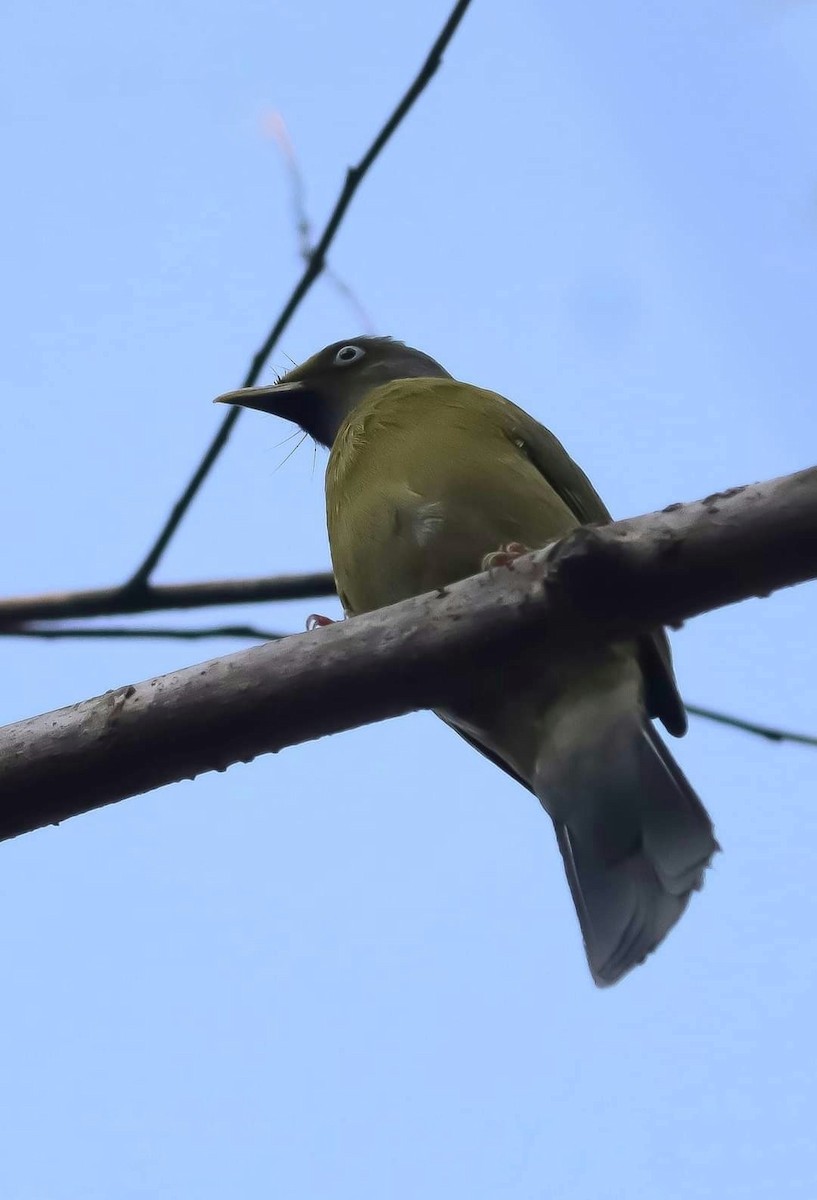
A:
[430,480]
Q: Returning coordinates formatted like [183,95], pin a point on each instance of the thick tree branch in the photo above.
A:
[116,601]
[600,581]
[772,733]
[734,545]
[313,268]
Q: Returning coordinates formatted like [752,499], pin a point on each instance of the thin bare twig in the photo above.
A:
[121,632]
[275,127]
[770,732]
[354,177]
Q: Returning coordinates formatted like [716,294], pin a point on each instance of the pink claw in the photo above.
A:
[317,621]
[505,556]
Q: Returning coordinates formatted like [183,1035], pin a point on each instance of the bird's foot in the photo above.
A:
[505,556]
[317,621]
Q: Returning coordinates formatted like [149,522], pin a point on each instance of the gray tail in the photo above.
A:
[635,840]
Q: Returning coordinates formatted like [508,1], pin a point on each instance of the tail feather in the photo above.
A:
[677,836]
[624,912]
[634,837]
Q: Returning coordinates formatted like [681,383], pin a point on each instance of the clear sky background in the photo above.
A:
[353,970]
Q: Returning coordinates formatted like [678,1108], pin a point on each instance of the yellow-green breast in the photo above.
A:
[426,477]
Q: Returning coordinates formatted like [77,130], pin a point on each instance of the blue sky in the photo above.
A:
[353,969]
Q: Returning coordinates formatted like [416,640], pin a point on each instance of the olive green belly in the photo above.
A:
[402,542]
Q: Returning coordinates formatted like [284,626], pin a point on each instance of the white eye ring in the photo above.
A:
[348,354]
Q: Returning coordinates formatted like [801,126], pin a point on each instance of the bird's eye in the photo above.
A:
[348,354]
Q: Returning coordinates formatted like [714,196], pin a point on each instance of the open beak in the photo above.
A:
[279,399]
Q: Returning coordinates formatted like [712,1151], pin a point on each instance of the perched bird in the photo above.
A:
[429,479]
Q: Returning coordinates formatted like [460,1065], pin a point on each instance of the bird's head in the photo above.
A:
[319,394]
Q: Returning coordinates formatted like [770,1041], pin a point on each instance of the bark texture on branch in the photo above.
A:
[602,580]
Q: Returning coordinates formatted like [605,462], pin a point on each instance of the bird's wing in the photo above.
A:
[568,480]
[556,466]
[489,754]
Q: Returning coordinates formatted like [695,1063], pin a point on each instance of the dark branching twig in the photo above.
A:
[314,267]
[17,611]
